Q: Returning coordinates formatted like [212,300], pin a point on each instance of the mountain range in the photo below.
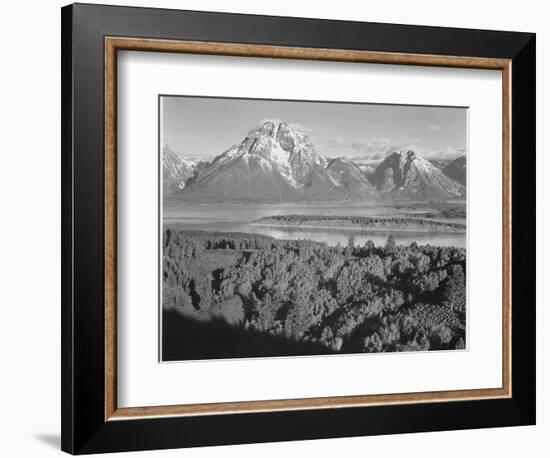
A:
[277,163]
[404,175]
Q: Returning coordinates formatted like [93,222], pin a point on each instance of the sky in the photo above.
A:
[203,127]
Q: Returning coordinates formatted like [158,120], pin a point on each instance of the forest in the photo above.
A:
[450,213]
[237,295]
[431,209]
[364,222]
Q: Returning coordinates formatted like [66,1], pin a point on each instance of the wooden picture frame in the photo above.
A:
[91,419]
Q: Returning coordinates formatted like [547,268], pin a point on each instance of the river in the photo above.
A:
[237,218]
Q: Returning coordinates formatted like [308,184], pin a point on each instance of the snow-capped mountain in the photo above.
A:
[457,170]
[175,171]
[404,175]
[275,163]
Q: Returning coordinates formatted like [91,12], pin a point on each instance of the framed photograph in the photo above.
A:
[283,228]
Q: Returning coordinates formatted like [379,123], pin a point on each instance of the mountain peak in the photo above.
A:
[275,162]
[175,170]
[404,174]
[278,144]
[271,126]
[285,134]
[402,156]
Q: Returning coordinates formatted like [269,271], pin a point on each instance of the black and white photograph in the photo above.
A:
[271,229]
[294,228]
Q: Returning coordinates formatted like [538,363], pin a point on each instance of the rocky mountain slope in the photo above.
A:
[457,170]
[440,163]
[350,175]
[404,175]
[276,163]
[175,171]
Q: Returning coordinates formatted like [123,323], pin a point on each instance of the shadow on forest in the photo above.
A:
[185,338]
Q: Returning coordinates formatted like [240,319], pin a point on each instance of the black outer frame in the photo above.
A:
[84,429]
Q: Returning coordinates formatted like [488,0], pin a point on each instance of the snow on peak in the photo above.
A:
[188,161]
[285,147]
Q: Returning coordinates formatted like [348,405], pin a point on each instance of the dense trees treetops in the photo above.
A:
[430,209]
[364,222]
[450,213]
[348,299]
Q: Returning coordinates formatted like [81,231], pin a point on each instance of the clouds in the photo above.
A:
[206,126]
[447,153]
[303,128]
[360,145]
[372,150]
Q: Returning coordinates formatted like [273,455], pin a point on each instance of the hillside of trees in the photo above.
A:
[236,295]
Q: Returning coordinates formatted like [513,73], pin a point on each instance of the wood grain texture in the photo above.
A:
[112,45]
[110,197]
[507,228]
[289,52]
[128,413]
